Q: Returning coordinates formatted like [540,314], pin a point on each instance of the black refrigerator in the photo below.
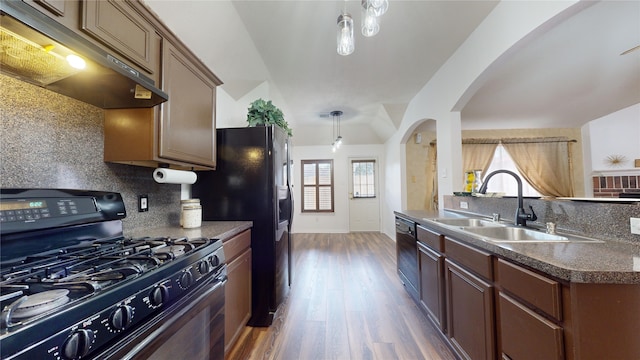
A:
[252,181]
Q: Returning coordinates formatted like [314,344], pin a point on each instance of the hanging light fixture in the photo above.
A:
[370,23]
[345,34]
[336,126]
[371,12]
[376,7]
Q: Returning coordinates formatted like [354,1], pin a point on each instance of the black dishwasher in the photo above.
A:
[407,255]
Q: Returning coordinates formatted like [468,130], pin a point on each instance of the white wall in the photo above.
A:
[449,89]
[338,221]
[441,99]
[624,127]
[233,113]
[214,17]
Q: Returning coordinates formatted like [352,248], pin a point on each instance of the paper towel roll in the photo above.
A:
[170,176]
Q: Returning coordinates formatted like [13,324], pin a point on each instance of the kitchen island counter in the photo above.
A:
[608,262]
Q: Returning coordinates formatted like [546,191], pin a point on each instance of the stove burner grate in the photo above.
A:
[71,274]
[32,305]
[35,304]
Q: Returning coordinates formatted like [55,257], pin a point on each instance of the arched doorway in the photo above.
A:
[421,168]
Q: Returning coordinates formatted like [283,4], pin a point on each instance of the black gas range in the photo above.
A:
[72,286]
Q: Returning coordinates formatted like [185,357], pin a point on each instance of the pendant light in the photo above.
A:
[370,22]
[336,126]
[371,11]
[376,7]
[345,34]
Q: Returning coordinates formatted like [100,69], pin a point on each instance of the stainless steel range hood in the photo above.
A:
[34,48]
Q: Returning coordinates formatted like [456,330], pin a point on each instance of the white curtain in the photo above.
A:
[546,165]
[477,155]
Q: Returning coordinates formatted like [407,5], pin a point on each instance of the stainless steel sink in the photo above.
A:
[513,234]
[468,222]
[498,232]
[518,235]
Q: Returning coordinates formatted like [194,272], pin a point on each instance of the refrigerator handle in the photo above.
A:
[282,227]
[290,206]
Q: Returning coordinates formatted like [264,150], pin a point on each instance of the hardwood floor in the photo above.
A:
[346,302]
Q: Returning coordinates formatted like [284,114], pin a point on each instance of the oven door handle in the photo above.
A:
[192,303]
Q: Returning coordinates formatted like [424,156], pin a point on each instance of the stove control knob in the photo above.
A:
[214,260]
[78,344]
[158,295]
[186,279]
[121,317]
[203,267]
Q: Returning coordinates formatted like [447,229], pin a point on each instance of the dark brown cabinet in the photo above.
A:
[605,321]
[126,29]
[494,308]
[238,287]
[52,8]
[529,314]
[470,313]
[187,120]
[65,12]
[117,25]
[524,334]
[181,131]
[431,268]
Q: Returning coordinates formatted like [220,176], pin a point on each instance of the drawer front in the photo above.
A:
[430,238]
[525,334]
[236,245]
[537,290]
[474,259]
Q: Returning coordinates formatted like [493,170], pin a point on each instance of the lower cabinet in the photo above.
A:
[470,313]
[529,312]
[525,334]
[431,271]
[238,288]
[488,307]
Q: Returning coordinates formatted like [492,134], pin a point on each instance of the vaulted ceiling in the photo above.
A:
[567,76]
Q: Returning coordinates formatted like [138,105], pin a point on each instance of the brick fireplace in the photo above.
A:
[613,186]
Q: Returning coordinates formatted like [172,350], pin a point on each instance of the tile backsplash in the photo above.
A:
[48,140]
[602,220]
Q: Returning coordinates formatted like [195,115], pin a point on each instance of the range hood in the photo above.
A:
[34,48]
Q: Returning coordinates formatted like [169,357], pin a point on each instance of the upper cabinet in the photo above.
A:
[187,123]
[180,132]
[53,8]
[120,27]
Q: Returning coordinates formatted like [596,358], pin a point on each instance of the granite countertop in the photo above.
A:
[210,229]
[611,261]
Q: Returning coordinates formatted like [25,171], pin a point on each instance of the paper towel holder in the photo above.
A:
[170,176]
[161,166]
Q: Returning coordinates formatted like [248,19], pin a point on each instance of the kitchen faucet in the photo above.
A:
[521,215]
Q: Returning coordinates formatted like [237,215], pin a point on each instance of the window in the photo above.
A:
[317,185]
[503,183]
[364,174]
